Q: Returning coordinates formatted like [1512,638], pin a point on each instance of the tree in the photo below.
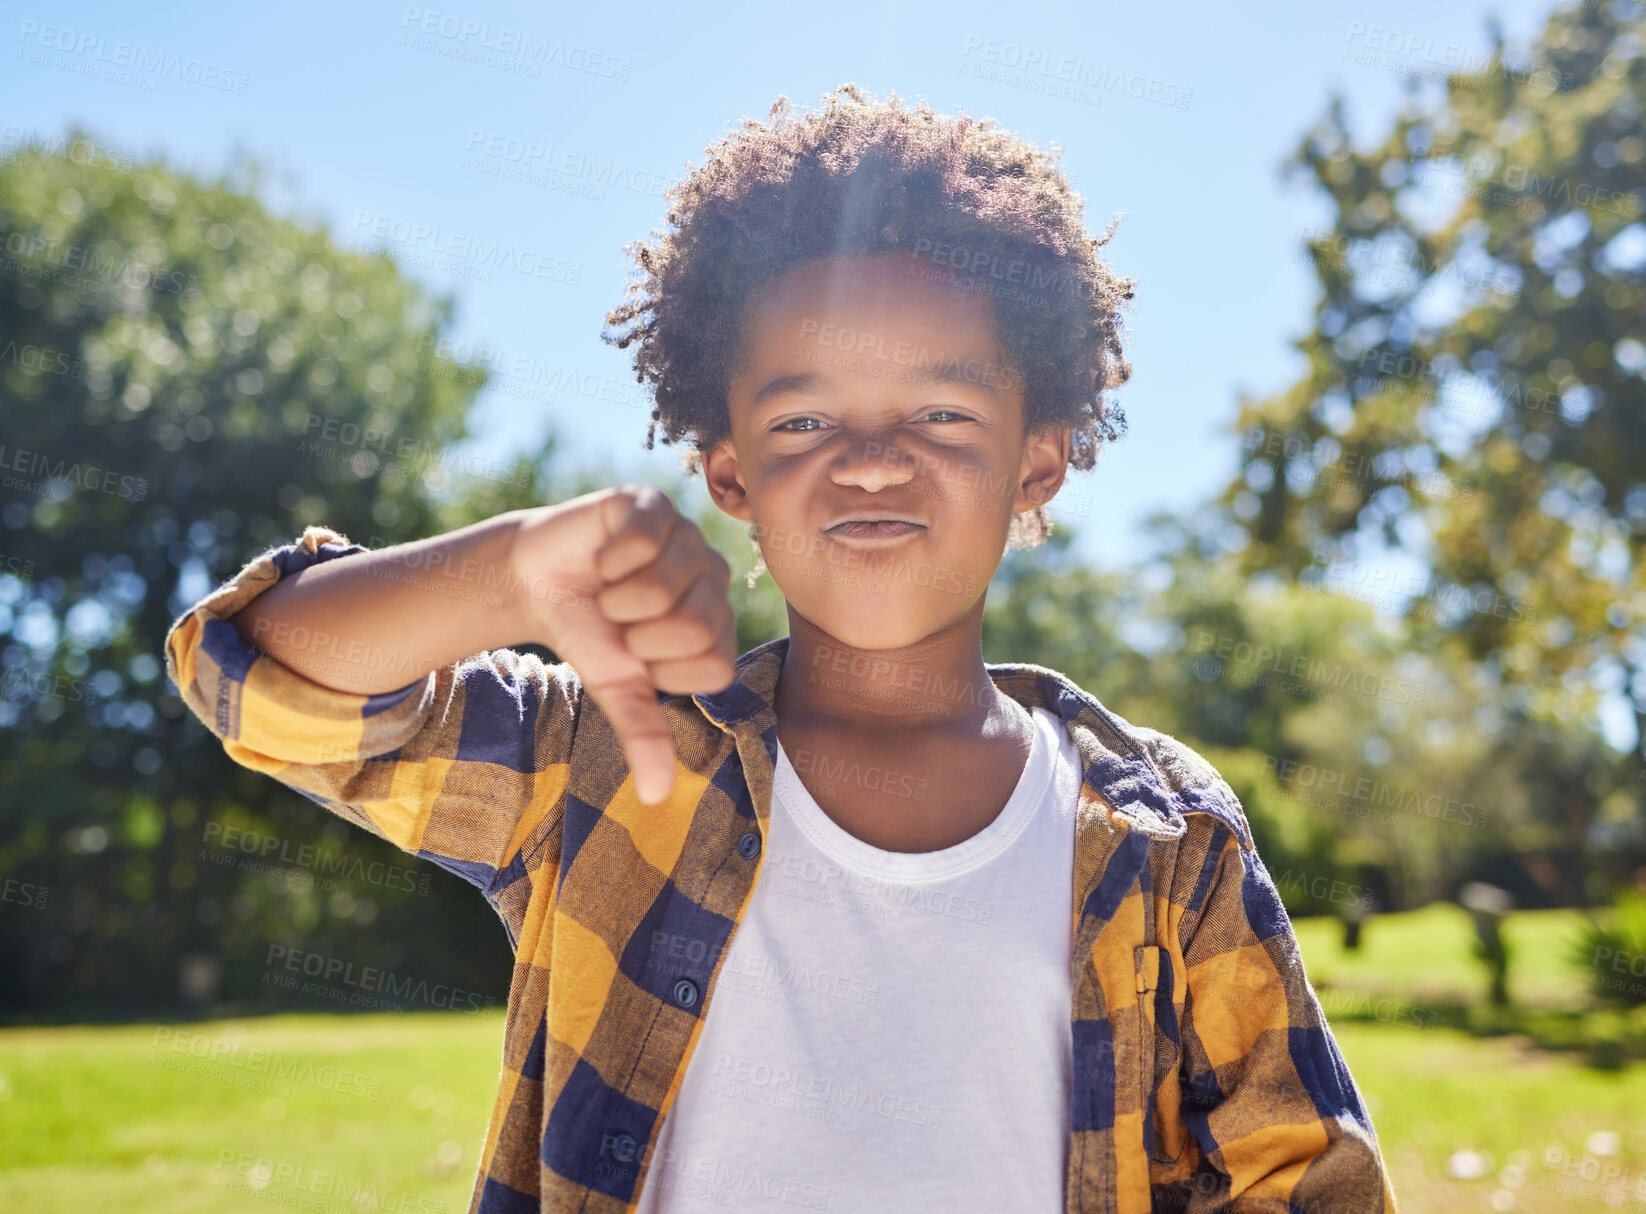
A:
[1474,402]
[189,379]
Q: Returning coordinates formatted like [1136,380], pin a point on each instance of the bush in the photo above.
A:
[1612,949]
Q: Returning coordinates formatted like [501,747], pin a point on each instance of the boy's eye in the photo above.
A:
[793,424]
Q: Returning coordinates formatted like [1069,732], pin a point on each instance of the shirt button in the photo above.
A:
[685,992]
[623,1147]
[749,845]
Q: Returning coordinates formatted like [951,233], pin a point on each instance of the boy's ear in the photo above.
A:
[1045,464]
[724,477]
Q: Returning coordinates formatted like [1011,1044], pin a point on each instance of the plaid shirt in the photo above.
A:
[1205,1076]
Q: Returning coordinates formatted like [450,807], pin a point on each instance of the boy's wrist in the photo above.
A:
[517,579]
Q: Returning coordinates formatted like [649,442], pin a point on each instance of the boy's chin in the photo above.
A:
[861,618]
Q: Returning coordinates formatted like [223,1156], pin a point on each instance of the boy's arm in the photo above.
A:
[382,619]
[348,690]
[1266,1092]
[346,673]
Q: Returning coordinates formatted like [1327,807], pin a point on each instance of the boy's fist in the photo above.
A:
[638,606]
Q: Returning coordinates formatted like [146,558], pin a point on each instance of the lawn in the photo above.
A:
[350,1113]
[1424,957]
[387,1112]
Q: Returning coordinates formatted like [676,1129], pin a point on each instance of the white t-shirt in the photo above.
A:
[890,1031]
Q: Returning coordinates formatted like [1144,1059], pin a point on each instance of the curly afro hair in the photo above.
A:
[862,177]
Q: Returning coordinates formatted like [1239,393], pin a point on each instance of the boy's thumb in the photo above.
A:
[643,732]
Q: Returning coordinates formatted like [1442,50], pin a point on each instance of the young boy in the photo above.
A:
[854,921]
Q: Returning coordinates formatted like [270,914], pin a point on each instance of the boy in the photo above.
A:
[970,940]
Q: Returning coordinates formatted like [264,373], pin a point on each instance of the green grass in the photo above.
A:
[1424,957]
[1518,1109]
[93,1119]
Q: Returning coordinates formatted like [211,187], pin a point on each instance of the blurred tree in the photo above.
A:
[1048,608]
[1468,443]
[187,380]
[1336,735]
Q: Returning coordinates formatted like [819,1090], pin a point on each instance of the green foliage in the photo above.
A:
[1047,608]
[1611,951]
[190,379]
[1470,428]
[760,610]
[1474,393]
[1300,846]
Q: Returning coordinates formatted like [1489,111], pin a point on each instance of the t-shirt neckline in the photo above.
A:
[853,853]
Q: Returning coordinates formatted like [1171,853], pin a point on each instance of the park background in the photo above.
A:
[1373,542]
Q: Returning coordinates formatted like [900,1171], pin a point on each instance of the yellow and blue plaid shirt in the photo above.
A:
[1205,1076]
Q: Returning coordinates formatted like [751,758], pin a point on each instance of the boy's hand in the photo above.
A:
[626,590]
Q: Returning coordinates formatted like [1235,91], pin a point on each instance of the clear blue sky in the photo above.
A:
[368,114]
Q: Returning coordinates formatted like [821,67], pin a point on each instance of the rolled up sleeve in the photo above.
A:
[466,765]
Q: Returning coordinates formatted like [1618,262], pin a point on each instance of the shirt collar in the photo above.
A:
[1116,764]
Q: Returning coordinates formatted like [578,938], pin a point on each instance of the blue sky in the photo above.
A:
[376,119]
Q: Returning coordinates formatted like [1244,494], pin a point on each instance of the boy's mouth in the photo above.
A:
[874,529]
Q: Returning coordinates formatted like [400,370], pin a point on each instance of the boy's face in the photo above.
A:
[832,420]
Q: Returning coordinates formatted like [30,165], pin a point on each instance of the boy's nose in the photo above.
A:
[873,463]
